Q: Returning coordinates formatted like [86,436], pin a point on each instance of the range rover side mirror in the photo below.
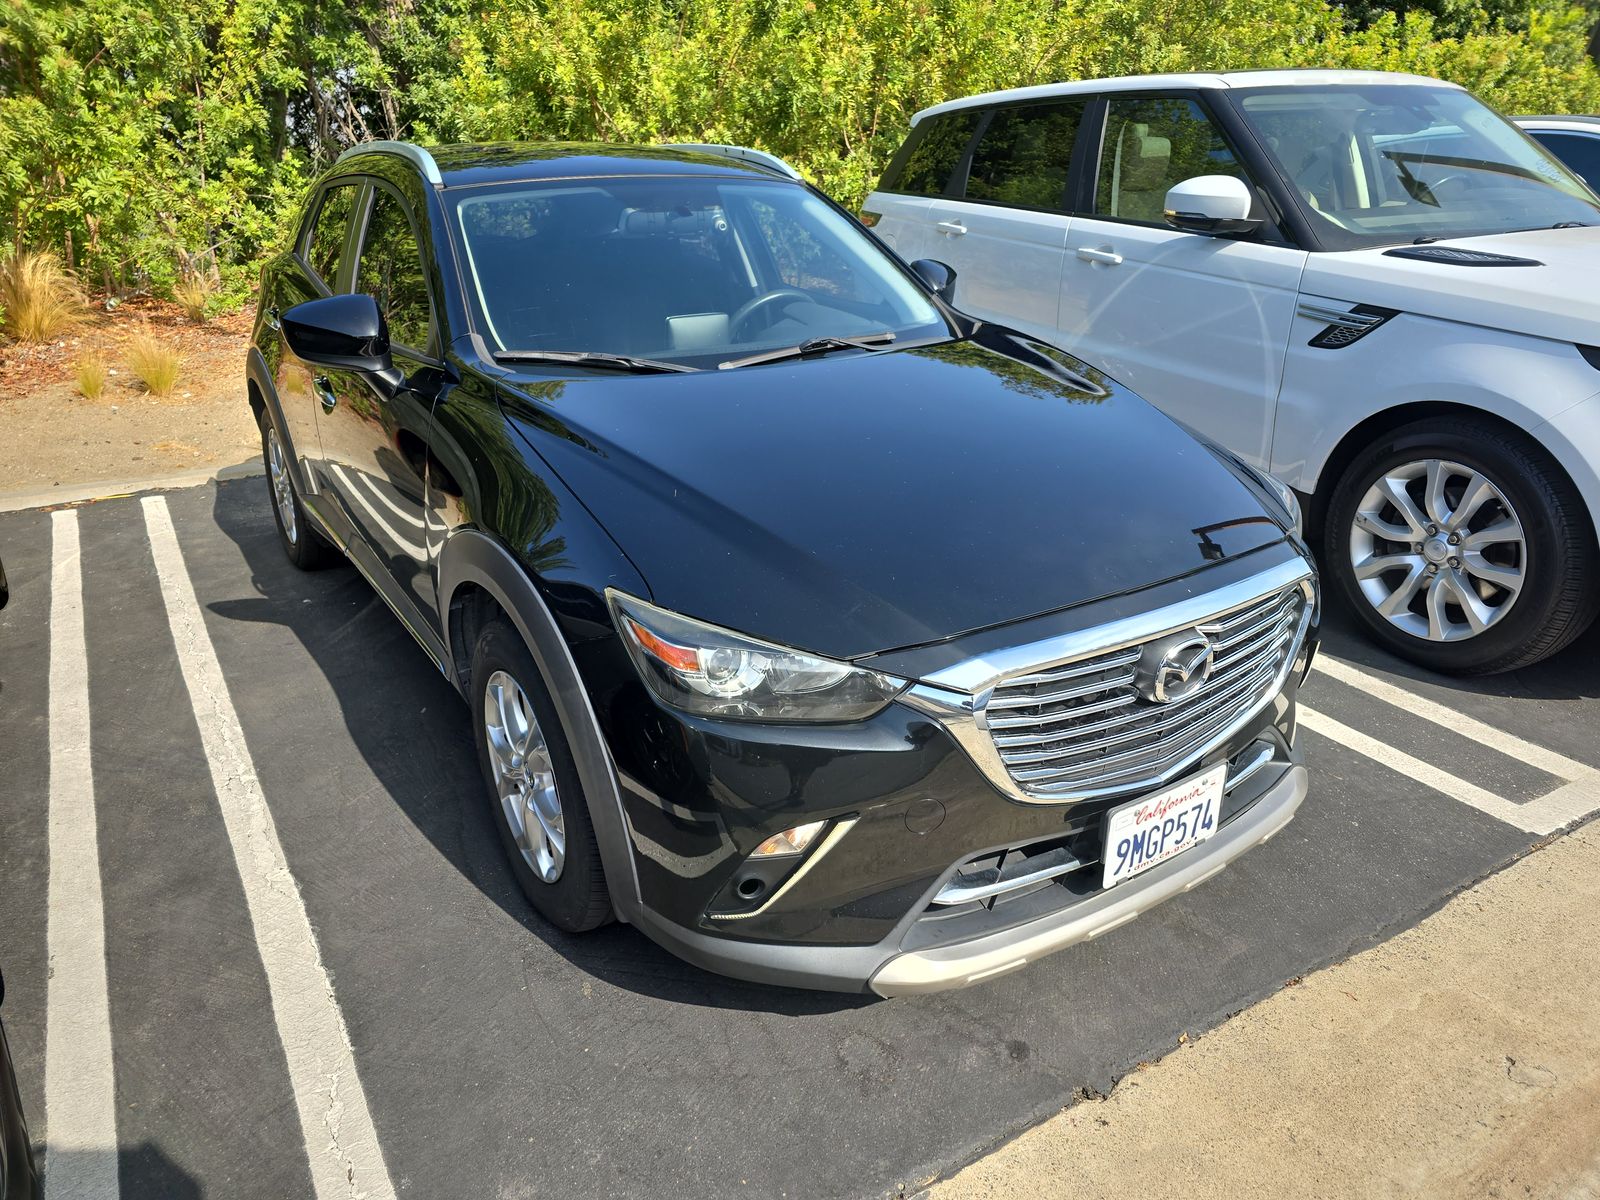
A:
[940,278]
[346,332]
[1218,205]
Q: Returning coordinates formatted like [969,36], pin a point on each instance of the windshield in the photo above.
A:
[679,269]
[1388,164]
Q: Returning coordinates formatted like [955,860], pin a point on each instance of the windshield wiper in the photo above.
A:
[592,358]
[816,345]
[1570,225]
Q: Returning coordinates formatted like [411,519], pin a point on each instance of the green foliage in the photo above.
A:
[147,143]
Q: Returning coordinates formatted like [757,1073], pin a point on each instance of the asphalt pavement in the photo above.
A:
[314,951]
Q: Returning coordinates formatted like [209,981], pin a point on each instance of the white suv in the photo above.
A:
[1369,284]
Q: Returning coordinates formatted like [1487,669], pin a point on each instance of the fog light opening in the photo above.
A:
[751,887]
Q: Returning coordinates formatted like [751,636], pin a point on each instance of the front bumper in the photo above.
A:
[888,969]
[942,967]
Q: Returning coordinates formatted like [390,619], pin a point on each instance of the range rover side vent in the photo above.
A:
[1456,256]
[1344,328]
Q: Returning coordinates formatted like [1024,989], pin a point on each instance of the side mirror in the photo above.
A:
[940,278]
[1214,204]
[345,332]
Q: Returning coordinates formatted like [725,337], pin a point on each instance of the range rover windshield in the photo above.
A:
[652,271]
[1381,165]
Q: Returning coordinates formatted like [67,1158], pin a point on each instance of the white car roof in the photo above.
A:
[1229,79]
[1577,123]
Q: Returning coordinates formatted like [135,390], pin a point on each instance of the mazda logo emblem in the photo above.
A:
[1175,667]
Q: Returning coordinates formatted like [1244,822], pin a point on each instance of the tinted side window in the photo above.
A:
[325,243]
[390,271]
[1579,151]
[1151,144]
[924,165]
[1023,155]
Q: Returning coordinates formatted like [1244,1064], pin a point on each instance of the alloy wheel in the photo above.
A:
[282,485]
[1437,550]
[524,777]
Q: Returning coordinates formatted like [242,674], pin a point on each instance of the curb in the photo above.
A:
[112,488]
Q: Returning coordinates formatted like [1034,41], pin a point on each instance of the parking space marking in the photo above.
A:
[341,1142]
[1548,761]
[80,1160]
[1536,817]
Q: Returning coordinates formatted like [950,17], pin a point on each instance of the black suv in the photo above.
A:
[830,637]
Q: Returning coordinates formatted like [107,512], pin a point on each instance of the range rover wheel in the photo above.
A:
[305,547]
[1462,546]
[537,801]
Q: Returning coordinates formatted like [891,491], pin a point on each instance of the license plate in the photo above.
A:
[1145,832]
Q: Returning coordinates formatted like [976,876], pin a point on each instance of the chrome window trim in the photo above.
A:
[958,696]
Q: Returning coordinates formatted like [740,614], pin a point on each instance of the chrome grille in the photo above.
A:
[1084,728]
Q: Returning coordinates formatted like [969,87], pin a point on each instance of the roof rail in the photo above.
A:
[410,151]
[756,158]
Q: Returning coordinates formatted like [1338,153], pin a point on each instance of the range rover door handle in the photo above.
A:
[952,228]
[274,319]
[1089,254]
[324,389]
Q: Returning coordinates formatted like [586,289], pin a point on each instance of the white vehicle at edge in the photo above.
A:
[1369,284]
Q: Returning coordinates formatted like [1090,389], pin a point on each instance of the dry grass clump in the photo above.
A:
[40,297]
[193,294]
[91,372]
[153,363]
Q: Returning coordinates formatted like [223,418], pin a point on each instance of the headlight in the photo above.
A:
[715,672]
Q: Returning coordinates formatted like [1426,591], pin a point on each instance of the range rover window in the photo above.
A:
[325,241]
[390,271]
[1023,155]
[1150,144]
[931,154]
[1383,164]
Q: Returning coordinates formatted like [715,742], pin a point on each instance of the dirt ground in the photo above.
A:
[1459,1060]
[51,436]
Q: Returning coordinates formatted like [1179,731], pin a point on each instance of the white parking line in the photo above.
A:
[346,1161]
[1415,768]
[1548,761]
[80,1157]
[1577,797]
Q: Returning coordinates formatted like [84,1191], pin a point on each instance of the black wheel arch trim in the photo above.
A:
[471,556]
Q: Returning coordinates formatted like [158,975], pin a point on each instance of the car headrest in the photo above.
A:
[1144,158]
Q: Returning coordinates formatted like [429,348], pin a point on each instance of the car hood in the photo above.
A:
[859,503]
[1557,299]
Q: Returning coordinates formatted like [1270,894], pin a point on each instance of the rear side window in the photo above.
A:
[325,244]
[931,154]
[1150,144]
[391,272]
[1023,155]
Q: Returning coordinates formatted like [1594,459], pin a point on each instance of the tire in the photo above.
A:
[302,543]
[572,896]
[1553,562]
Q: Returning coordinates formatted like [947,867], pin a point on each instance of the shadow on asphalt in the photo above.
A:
[457,822]
[1569,674]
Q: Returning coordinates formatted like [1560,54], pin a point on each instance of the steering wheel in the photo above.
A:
[757,303]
